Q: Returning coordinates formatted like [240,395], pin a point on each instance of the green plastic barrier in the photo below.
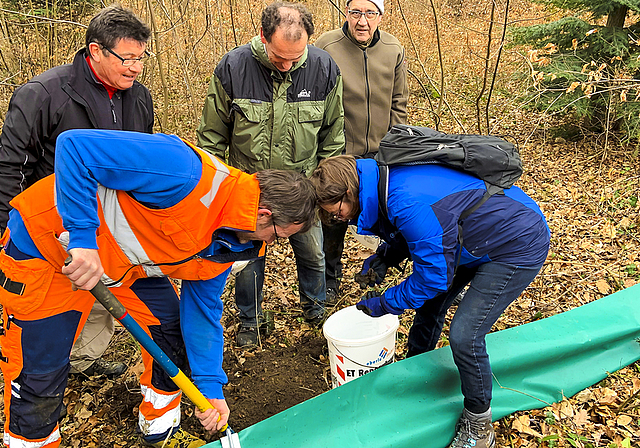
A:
[416,402]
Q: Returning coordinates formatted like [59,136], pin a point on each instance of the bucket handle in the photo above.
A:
[357,363]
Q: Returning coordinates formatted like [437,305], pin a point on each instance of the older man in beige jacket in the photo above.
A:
[374,74]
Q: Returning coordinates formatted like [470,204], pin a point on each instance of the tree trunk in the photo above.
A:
[617,16]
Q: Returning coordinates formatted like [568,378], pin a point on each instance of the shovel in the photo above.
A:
[119,312]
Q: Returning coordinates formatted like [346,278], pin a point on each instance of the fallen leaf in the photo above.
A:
[521,424]
[602,286]
[566,409]
[624,420]
[636,385]
[581,417]
[137,370]
[583,396]
[596,437]
[609,397]
[83,414]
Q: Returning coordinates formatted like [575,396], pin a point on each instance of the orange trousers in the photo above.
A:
[40,327]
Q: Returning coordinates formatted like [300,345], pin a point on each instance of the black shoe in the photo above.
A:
[110,369]
[332,298]
[317,321]
[247,337]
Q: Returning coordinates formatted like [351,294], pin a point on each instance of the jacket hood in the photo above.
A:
[368,176]
[260,53]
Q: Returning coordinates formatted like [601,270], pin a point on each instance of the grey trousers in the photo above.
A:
[93,340]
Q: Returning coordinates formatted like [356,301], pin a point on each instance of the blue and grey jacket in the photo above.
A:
[425,203]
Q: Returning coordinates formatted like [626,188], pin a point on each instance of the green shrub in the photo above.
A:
[585,69]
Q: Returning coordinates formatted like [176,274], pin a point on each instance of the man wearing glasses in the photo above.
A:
[374,73]
[97,90]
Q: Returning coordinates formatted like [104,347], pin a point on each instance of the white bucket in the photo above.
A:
[358,344]
[369,241]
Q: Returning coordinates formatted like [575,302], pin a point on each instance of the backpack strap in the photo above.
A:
[391,234]
[491,190]
[383,189]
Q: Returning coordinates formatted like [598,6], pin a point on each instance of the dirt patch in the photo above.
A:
[263,383]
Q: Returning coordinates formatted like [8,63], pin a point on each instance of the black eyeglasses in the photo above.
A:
[129,62]
[370,15]
[338,215]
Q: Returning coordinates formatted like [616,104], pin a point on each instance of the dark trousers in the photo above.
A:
[492,287]
[310,264]
[333,247]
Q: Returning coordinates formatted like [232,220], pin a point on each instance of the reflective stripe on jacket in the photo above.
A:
[135,241]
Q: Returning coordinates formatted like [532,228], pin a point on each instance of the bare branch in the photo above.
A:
[163,80]
[436,117]
[441,63]
[424,71]
[485,73]
[495,68]
[46,19]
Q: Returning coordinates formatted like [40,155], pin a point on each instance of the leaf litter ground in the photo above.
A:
[591,202]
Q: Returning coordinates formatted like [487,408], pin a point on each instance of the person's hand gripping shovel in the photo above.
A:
[119,312]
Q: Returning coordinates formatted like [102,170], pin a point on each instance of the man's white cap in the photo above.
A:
[378,3]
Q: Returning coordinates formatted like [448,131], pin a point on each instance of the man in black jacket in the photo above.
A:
[98,90]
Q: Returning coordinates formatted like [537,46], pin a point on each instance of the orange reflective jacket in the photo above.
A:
[135,241]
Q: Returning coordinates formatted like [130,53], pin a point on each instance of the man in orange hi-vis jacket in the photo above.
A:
[124,216]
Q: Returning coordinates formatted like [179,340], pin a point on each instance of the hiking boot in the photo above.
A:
[332,298]
[474,431]
[247,337]
[181,439]
[318,320]
[110,369]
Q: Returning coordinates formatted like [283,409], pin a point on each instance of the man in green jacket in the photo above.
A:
[373,67]
[276,102]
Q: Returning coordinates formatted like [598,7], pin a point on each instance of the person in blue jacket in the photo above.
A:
[504,245]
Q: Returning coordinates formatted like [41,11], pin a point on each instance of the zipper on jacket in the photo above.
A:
[113,110]
[174,263]
[367,91]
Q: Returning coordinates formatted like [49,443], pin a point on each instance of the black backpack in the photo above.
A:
[490,158]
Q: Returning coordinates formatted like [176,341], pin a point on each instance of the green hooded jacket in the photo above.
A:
[256,117]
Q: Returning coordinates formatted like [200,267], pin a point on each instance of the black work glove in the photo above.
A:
[392,256]
[372,273]
[373,304]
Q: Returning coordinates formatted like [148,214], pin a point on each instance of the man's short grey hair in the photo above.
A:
[114,23]
[291,18]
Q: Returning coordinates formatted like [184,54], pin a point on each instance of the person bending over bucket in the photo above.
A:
[125,216]
[504,245]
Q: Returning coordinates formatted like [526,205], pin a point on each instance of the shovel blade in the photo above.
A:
[230,440]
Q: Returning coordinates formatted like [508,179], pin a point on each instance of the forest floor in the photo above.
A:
[590,198]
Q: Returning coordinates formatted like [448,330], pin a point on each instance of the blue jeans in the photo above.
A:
[492,287]
[307,248]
